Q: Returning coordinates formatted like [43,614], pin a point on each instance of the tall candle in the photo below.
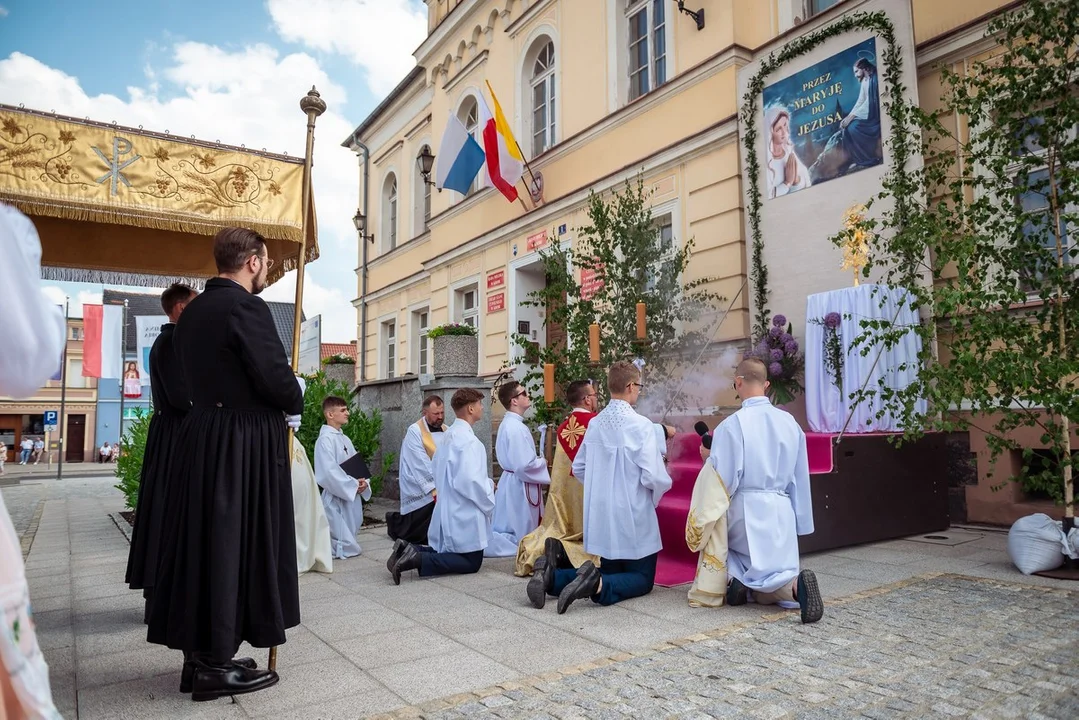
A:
[641,322]
[548,383]
[593,342]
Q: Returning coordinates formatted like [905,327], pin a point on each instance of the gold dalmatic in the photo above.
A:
[706,533]
[563,516]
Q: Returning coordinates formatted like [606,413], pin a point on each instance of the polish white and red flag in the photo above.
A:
[102,341]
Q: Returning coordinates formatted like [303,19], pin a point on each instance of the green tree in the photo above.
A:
[990,218]
[132,449]
[363,429]
[633,261]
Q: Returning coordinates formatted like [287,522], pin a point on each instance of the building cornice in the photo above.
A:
[960,44]
[423,123]
[397,145]
[515,27]
[725,131]
[382,107]
[464,72]
[449,25]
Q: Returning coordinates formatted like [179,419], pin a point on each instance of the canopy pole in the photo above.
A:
[313,106]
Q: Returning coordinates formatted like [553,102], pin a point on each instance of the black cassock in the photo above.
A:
[171,405]
[227,572]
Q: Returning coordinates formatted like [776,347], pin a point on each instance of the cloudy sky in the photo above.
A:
[228,70]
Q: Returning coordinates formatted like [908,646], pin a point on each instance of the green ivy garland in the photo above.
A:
[894,105]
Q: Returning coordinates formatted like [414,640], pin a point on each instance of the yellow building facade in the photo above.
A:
[25,418]
[595,92]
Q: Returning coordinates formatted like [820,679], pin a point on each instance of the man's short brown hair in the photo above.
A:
[752,370]
[507,391]
[621,375]
[465,397]
[174,295]
[577,391]
[432,400]
[332,402]
[232,247]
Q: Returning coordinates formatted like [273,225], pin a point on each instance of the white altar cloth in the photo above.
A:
[826,408]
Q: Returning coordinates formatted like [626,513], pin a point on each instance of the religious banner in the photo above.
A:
[147,328]
[106,198]
[822,122]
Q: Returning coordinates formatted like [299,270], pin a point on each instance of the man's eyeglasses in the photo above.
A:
[520,394]
[636,384]
[736,379]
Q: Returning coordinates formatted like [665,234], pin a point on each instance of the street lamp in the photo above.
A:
[698,16]
[360,221]
[426,162]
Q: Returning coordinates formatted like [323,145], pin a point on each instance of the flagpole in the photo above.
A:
[313,106]
[123,334]
[63,393]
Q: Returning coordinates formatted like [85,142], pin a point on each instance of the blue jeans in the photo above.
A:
[24,457]
[622,579]
[433,563]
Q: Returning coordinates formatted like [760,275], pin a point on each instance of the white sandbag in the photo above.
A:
[1036,544]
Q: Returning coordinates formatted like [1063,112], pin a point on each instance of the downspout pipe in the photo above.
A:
[360,149]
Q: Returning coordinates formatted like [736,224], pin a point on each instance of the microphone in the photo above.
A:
[700,428]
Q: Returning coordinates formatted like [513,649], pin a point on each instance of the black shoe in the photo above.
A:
[399,546]
[540,583]
[556,554]
[809,599]
[409,559]
[736,593]
[189,670]
[586,584]
[210,682]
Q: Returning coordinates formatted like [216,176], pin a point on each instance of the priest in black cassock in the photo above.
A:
[171,404]
[228,559]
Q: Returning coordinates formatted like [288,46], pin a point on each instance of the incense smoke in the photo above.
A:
[702,389]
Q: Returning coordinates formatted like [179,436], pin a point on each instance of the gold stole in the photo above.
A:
[425,436]
[706,533]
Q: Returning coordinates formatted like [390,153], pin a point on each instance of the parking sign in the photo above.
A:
[51,420]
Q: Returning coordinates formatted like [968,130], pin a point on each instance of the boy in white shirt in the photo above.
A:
[342,496]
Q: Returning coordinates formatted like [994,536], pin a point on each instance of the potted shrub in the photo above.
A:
[456,350]
[340,367]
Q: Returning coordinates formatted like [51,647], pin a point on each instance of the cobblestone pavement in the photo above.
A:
[947,646]
[22,502]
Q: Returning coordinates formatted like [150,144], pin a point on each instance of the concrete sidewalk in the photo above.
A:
[368,647]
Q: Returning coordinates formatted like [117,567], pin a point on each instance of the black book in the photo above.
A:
[356,467]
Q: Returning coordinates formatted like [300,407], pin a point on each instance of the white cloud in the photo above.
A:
[248,96]
[377,35]
[336,309]
[3,11]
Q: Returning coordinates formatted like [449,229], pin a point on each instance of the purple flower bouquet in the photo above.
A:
[779,351]
[833,346]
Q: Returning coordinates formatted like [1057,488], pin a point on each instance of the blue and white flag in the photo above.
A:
[460,158]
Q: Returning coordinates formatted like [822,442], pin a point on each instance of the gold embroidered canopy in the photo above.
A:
[126,206]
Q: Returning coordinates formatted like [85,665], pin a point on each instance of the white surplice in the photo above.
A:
[466,495]
[313,550]
[340,497]
[760,454]
[416,477]
[519,497]
[620,462]
[31,325]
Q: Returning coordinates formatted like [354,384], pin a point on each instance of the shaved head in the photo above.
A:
[752,370]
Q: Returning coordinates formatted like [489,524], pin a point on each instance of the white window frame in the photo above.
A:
[810,9]
[390,225]
[618,51]
[673,208]
[456,314]
[548,82]
[633,9]
[384,347]
[1012,170]
[516,354]
[418,340]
